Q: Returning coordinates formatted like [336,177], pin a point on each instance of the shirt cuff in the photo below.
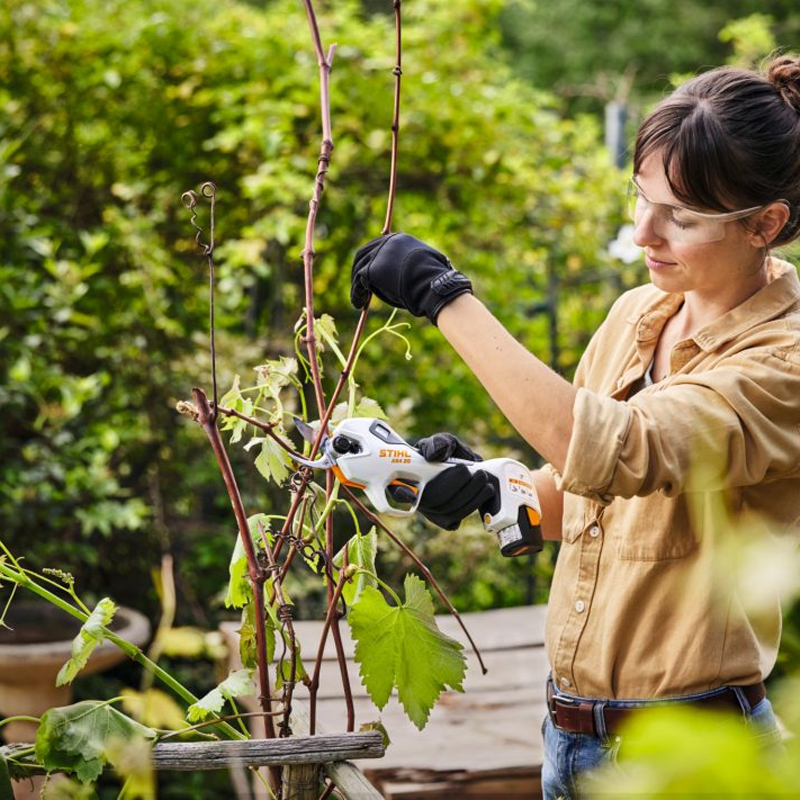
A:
[599,430]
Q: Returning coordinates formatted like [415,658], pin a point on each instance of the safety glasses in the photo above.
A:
[679,224]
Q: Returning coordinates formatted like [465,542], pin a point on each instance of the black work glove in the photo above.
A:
[454,493]
[406,273]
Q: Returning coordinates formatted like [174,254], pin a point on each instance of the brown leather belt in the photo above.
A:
[578,716]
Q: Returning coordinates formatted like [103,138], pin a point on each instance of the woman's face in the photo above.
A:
[717,270]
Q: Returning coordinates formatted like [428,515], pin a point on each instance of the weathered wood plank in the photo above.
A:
[267,752]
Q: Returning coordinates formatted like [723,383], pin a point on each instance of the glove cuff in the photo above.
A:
[445,288]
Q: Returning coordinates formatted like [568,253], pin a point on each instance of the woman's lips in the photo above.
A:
[656,264]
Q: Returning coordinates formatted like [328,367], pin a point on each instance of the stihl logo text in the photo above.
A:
[396,456]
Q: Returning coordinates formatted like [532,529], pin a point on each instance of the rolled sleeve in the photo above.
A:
[600,429]
[735,425]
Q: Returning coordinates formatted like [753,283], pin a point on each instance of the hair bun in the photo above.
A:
[784,74]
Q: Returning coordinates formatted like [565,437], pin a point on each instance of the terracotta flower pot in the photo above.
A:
[35,648]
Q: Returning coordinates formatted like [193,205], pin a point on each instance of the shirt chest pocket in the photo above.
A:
[572,529]
[652,528]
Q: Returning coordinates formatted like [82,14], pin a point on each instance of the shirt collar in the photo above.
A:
[779,295]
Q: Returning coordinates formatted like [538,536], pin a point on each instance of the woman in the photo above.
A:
[696,373]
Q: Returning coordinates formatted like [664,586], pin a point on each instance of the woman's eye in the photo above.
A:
[683,224]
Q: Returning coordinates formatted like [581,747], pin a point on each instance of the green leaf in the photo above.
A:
[248,648]
[234,399]
[239,589]
[366,407]
[402,647]
[325,326]
[6,790]
[376,726]
[239,683]
[133,763]
[75,738]
[89,637]
[153,707]
[361,552]
[273,461]
[275,375]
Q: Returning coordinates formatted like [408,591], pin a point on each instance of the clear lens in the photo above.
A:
[679,224]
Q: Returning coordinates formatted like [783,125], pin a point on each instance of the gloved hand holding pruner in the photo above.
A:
[441,478]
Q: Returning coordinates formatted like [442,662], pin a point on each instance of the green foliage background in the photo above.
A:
[111,110]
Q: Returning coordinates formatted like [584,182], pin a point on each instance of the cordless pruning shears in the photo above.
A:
[367,454]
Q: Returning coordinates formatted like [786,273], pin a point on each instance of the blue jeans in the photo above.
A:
[569,755]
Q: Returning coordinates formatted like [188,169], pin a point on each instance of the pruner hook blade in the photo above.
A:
[309,433]
[323,462]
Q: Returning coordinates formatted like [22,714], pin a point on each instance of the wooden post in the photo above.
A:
[349,779]
[300,782]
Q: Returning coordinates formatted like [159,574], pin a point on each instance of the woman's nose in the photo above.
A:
[643,231]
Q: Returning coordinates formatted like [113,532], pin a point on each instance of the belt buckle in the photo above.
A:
[553,699]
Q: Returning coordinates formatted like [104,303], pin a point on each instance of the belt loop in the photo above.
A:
[600,719]
[744,703]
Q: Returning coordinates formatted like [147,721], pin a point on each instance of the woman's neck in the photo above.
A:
[699,310]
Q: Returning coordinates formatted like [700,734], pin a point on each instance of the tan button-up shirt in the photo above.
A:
[658,484]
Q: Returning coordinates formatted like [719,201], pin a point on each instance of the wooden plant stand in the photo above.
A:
[302,758]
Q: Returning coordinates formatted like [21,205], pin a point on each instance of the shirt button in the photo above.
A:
[594,531]
[580,606]
[565,682]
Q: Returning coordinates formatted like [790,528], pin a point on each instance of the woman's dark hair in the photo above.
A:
[730,139]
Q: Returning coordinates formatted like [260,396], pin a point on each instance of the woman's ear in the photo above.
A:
[767,224]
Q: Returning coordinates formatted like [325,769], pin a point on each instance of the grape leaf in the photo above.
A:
[273,461]
[89,636]
[361,551]
[239,683]
[325,326]
[275,375]
[402,647]
[366,407]
[75,738]
[248,648]
[234,399]
[239,589]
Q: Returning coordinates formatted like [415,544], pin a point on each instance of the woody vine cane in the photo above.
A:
[263,568]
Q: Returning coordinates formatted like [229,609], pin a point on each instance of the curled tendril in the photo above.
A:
[190,200]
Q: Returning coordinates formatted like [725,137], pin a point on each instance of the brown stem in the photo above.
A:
[267,427]
[398,71]
[329,790]
[348,368]
[337,636]
[285,616]
[215,721]
[323,163]
[254,570]
[333,604]
[425,571]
